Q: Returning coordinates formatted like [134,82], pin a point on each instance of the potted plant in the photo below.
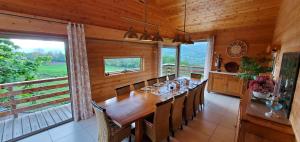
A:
[262,87]
[252,67]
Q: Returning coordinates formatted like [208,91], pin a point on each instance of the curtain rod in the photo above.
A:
[8,13]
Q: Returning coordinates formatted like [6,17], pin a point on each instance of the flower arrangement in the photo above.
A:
[262,84]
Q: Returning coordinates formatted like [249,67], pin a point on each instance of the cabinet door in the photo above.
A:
[219,83]
[234,86]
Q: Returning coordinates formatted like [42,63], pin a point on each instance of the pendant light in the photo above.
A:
[145,36]
[185,38]
[130,34]
[189,40]
[157,37]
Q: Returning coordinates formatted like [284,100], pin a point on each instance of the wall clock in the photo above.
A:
[237,49]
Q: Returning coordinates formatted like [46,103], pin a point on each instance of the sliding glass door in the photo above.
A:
[192,58]
[168,60]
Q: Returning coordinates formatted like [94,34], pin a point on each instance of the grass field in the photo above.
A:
[113,68]
[52,70]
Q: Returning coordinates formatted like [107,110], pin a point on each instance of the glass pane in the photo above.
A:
[168,56]
[122,65]
[192,58]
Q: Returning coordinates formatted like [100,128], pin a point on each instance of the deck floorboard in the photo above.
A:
[12,129]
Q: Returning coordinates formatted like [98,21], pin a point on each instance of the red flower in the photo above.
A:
[263,84]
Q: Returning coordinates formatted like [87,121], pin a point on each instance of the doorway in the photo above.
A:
[192,58]
[34,85]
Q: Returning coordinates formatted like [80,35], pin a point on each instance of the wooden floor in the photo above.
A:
[12,129]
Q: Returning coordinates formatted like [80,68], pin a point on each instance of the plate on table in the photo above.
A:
[147,88]
[158,84]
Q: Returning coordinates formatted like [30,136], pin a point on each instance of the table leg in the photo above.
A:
[139,130]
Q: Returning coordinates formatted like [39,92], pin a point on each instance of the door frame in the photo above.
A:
[171,46]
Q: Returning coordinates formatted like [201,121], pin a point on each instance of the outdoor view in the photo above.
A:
[192,59]
[32,60]
[122,65]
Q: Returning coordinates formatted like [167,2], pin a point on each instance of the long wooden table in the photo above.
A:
[133,107]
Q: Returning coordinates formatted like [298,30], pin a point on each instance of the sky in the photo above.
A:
[28,45]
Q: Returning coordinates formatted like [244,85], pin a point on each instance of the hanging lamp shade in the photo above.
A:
[145,36]
[157,37]
[177,38]
[130,34]
[189,41]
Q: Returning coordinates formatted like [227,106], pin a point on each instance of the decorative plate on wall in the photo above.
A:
[237,49]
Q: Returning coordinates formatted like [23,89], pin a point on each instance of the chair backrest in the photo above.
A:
[196,75]
[197,97]
[161,119]
[171,77]
[176,111]
[189,104]
[202,92]
[102,122]
[123,90]
[162,79]
[139,85]
[152,81]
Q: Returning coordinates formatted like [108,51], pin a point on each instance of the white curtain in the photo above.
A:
[79,73]
[208,60]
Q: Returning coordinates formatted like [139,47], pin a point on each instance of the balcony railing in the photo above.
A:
[183,69]
[31,96]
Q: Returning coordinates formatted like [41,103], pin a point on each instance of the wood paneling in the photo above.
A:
[258,38]
[105,13]
[208,15]
[103,86]
[287,35]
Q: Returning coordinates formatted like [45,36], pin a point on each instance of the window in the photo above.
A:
[115,66]
[168,60]
[192,58]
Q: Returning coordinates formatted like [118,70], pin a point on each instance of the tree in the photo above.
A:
[15,65]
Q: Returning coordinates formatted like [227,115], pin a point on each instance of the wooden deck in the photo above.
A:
[12,129]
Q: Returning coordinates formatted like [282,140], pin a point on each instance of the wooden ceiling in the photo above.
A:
[209,15]
[202,15]
[105,13]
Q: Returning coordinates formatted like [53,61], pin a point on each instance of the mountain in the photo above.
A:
[194,54]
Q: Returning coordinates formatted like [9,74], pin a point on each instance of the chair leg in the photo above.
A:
[181,127]
[173,133]
[129,138]
[168,139]
[186,122]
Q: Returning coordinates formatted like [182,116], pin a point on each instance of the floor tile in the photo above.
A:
[41,137]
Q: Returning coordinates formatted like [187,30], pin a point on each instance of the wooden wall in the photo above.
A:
[287,35]
[258,39]
[103,86]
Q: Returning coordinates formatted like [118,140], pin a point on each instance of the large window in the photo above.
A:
[121,65]
[192,58]
[168,60]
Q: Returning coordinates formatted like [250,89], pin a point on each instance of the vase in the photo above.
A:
[261,95]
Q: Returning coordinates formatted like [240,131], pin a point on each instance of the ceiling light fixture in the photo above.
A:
[145,36]
[184,39]
[130,34]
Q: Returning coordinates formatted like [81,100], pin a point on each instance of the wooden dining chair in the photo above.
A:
[202,93]
[171,77]
[107,130]
[162,79]
[139,85]
[151,81]
[123,90]
[196,75]
[197,98]
[157,126]
[189,106]
[176,112]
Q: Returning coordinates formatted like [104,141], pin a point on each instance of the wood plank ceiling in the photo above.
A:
[209,15]
[203,15]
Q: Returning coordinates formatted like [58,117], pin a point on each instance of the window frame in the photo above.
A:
[122,72]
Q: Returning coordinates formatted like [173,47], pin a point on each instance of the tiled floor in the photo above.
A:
[216,123]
